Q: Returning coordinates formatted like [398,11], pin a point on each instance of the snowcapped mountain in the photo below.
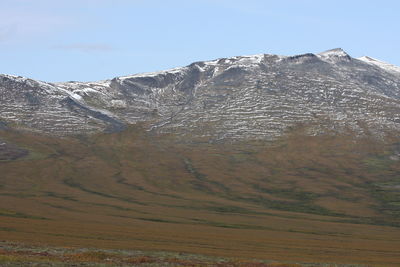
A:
[255,97]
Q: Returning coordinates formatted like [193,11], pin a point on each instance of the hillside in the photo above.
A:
[239,98]
[294,159]
[309,199]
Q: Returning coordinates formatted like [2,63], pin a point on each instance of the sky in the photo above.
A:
[89,40]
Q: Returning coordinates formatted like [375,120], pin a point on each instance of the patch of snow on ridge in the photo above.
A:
[333,54]
[153,74]
[50,89]
[253,59]
[72,94]
[383,65]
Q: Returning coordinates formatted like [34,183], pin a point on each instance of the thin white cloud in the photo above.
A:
[25,22]
[85,47]
[22,21]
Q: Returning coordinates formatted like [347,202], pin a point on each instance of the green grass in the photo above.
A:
[301,207]
[14,214]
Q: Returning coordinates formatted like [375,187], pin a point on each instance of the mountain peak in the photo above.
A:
[335,54]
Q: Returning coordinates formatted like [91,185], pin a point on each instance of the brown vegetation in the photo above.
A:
[332,198]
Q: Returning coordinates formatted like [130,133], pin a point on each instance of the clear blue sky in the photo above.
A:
[84,40]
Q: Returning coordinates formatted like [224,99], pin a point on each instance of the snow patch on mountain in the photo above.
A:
[153,74]
[384,65]
[333,55]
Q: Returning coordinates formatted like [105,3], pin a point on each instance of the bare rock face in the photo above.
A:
[244,97]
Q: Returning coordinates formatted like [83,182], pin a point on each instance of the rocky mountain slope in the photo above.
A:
[256,97]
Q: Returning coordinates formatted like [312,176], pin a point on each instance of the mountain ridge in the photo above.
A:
[256,97]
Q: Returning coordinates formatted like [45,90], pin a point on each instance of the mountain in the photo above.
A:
[290,158]
[244,97]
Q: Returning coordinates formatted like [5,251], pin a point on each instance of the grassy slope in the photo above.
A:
[310,199]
